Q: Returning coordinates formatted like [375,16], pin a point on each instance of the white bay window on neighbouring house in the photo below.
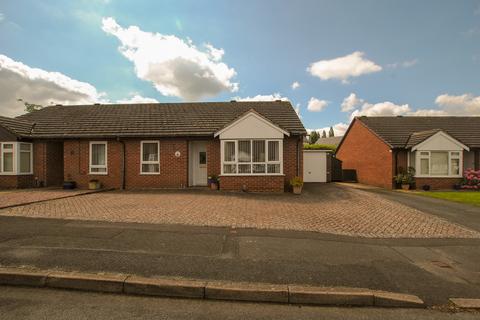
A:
[252,157]
[16,158]
[438,163]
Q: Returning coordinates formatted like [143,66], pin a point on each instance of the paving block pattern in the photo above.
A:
[332,209]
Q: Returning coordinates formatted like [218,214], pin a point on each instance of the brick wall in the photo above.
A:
[76,163]
[253,184]
[173,170]
[47,167]
[213,157]
[368,155]
[268,183]
[290,161]
[437,183]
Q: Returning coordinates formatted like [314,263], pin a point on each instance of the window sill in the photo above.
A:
[15,174]
[149,173]
[98,173]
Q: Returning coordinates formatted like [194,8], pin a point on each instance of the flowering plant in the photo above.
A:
[471,179]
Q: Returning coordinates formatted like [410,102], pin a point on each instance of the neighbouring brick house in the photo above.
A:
[439,148]
[251,145]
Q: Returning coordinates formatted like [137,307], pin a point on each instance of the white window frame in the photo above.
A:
[16,158]
[91,166]
[418,158]
[142,162]
[236,162]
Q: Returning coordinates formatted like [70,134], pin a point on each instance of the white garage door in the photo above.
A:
[314,166]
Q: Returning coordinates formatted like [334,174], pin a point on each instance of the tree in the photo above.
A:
[331,133]
[324,134]
[30,107]
[313,137]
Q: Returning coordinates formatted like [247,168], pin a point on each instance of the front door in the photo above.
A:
[198,163]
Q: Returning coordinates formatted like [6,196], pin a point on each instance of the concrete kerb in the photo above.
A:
[214,290]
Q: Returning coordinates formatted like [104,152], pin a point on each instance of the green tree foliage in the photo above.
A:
[30,107]
[331,133]
[313,137]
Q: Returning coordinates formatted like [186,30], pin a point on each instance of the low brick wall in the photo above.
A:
[437,183]
[253,183]
[14,182]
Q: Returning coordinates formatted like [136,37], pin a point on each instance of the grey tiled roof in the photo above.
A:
[398,131]
[418,137]
[16,126]
[154,119]
[332,141]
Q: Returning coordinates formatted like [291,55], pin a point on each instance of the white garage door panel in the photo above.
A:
[314,166]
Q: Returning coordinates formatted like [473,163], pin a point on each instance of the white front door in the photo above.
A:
[198,164]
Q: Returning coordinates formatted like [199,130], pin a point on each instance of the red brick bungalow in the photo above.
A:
[439,148]
[252,145]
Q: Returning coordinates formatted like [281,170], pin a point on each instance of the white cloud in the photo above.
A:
[351,102]
[176,67]
[343,68]
[19,81]
[2,17]
[404,64]
[261,97]
[317,105]
[136,98]
[465,104]
[386,108]
[339,129]
[295,85]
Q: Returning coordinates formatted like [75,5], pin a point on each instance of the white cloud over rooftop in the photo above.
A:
[176,67]
[34,85]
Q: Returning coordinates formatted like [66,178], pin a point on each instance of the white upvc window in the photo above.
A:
[16,158]
[252,157]
[98,157]
[439,164]
[150,157]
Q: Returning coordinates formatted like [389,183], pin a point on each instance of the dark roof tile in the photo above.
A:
[154,119]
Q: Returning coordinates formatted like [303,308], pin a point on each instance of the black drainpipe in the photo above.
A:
[123,162]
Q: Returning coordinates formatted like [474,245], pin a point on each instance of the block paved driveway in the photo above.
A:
[325,208]
[10,198]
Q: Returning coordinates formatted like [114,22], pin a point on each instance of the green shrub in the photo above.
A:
[307,146]
[296,182]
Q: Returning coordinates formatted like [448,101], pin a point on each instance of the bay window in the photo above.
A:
[251,157]
[439,163]
[98,157]
[150,157]
[16,158]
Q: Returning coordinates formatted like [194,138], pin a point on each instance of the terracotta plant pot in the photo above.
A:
[405,186]
[213,186]
[297,189]
[93,185]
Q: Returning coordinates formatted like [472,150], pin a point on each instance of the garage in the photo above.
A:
[316,165]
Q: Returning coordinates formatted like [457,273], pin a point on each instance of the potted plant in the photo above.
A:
[69,184]
[213,182]
[405,179]
[94,184]
[297,184]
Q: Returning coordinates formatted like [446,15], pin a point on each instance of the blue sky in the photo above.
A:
[386,57]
